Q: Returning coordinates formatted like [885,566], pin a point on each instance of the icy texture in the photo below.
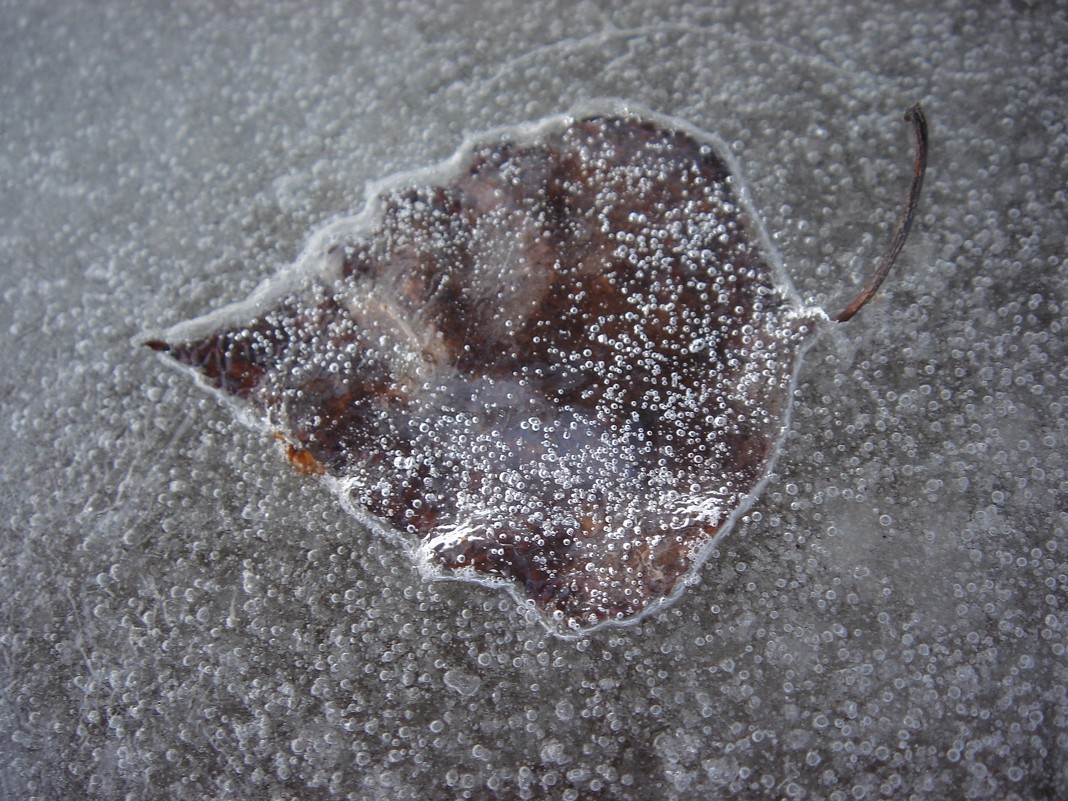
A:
[183,617]
[557,361]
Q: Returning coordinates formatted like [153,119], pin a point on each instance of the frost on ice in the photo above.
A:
[560,361]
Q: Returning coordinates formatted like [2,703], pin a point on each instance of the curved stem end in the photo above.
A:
[901,232]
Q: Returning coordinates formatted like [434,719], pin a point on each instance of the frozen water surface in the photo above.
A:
[184,617]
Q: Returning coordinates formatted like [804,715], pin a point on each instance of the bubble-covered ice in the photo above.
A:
[560,361]
[184,616]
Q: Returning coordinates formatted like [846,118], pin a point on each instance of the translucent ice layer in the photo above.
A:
[561,361]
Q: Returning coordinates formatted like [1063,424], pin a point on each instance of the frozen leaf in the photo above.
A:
[560,361]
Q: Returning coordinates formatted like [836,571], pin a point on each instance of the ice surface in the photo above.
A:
[184,618]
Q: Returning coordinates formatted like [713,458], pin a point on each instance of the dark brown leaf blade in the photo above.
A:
[561,362]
